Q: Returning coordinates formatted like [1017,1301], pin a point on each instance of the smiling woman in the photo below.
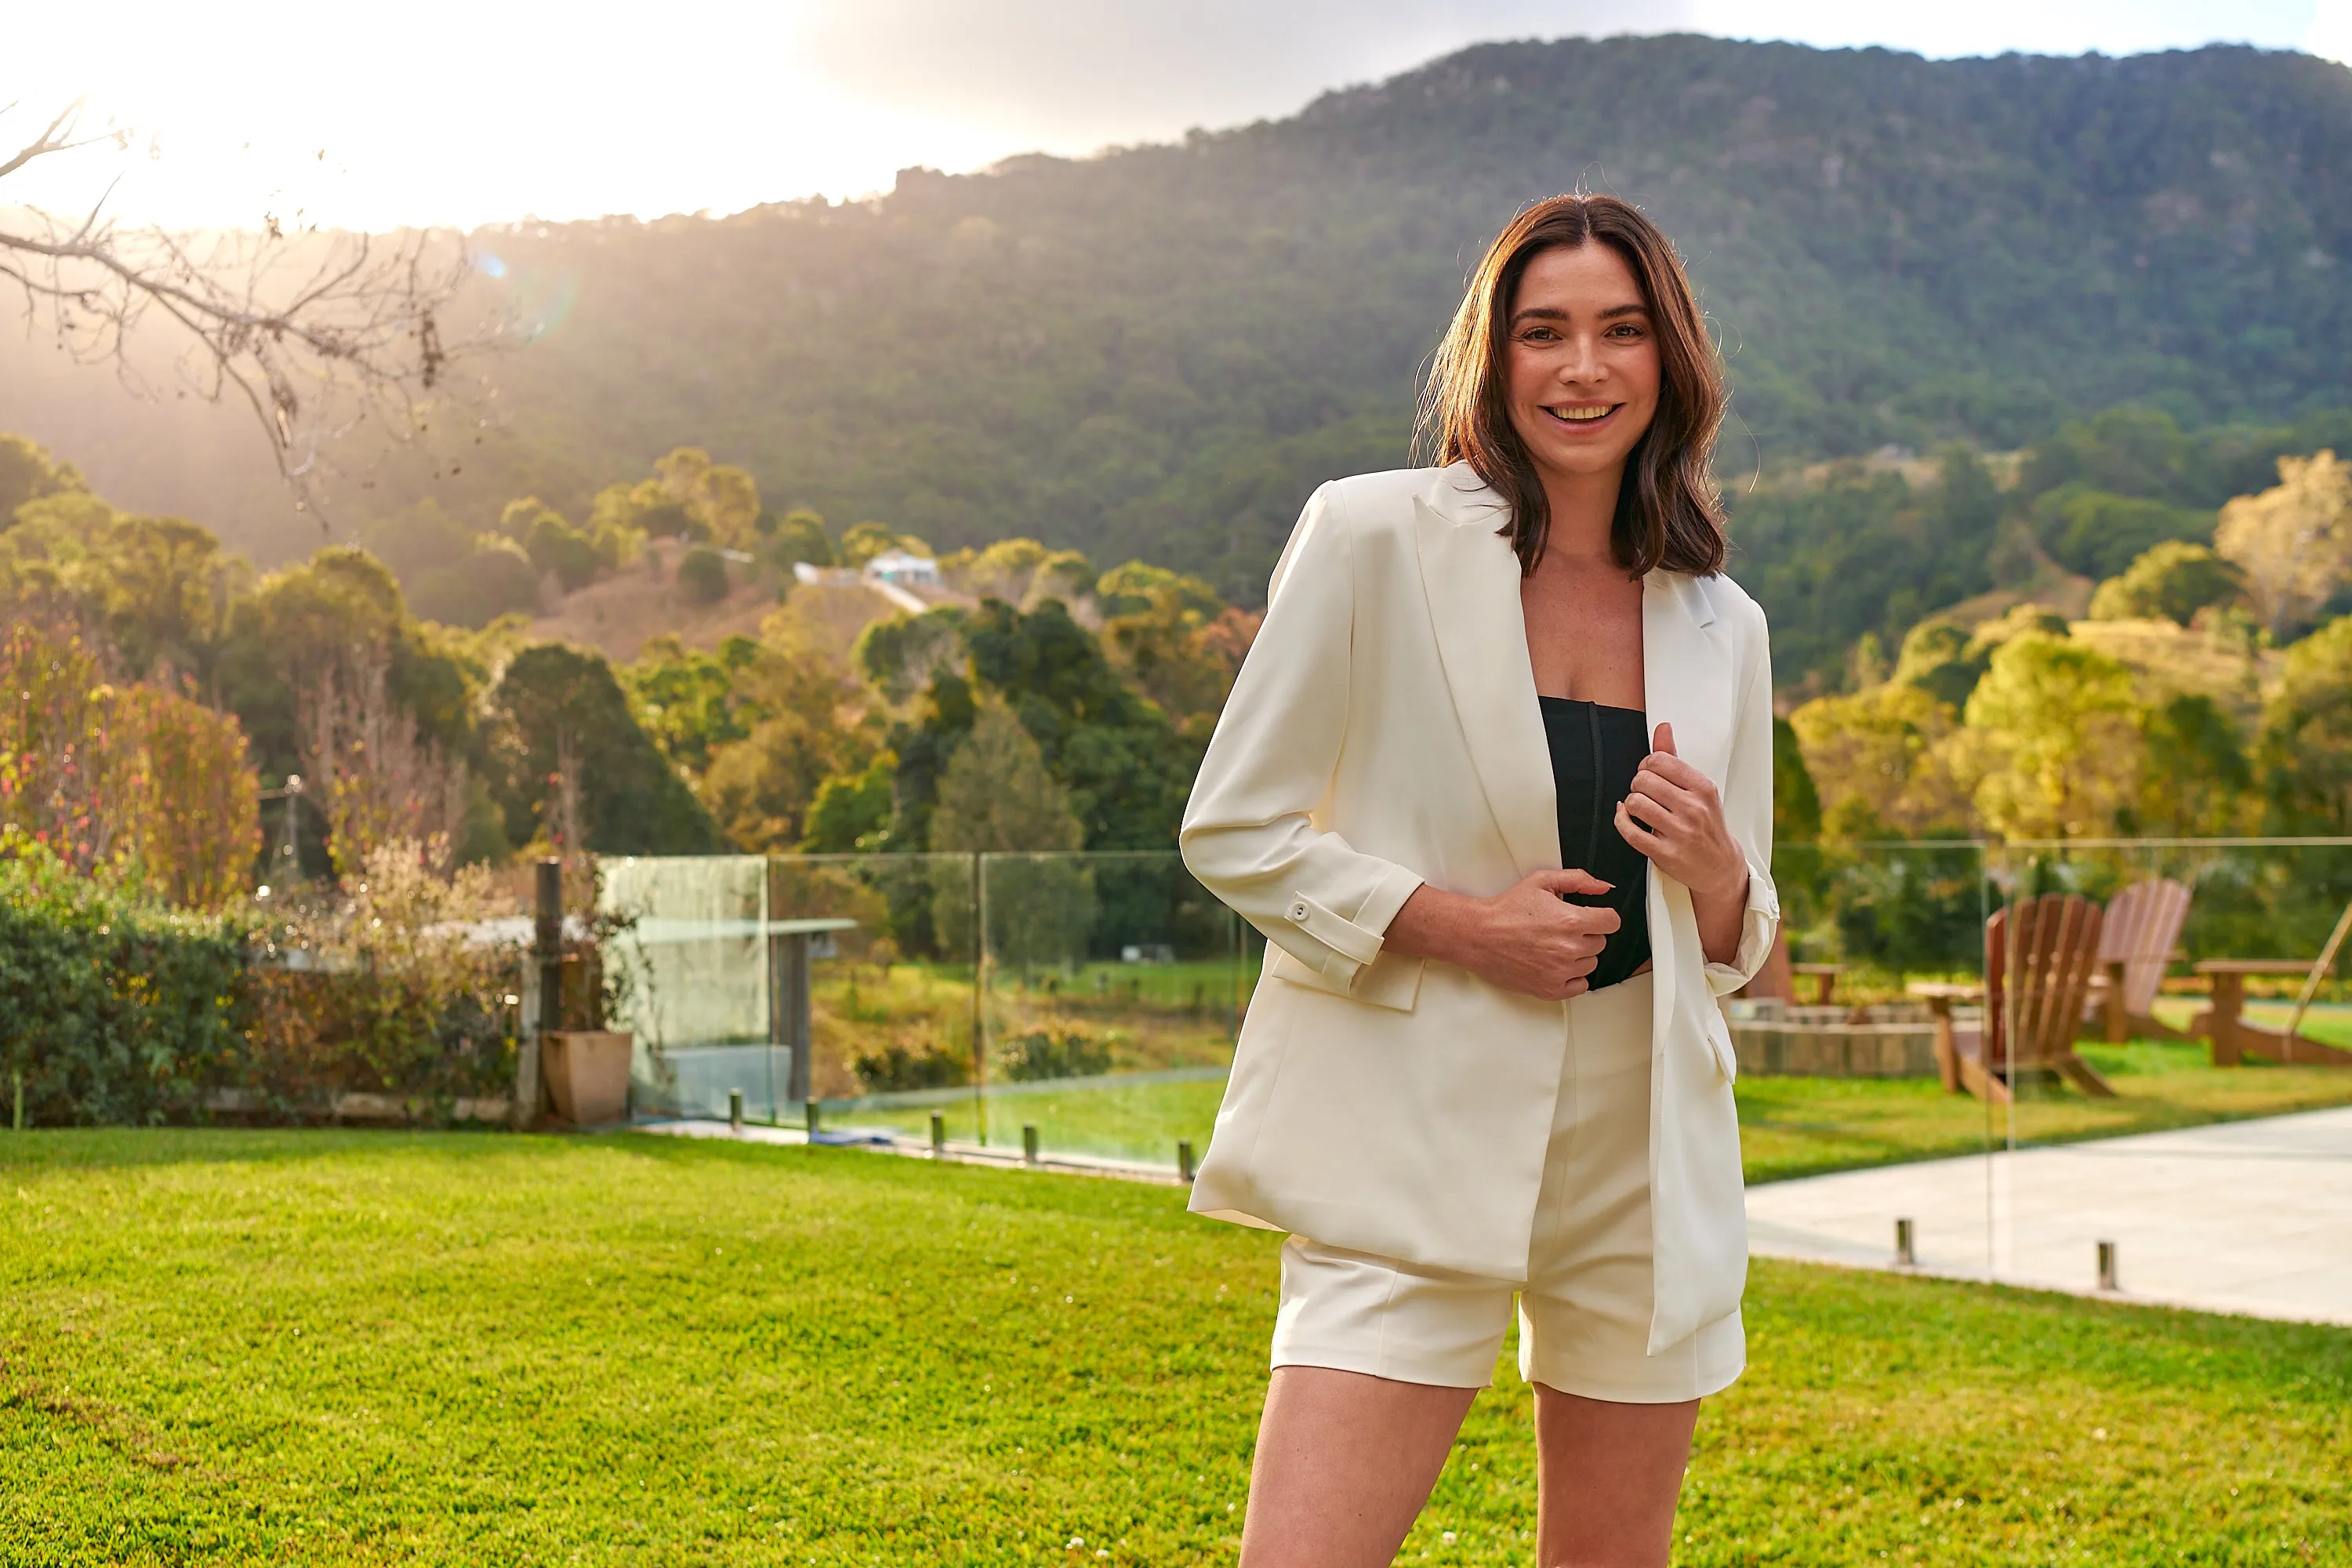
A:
[1484,1067]
[1583,300]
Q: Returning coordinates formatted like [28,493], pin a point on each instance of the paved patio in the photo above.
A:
[2252,1217]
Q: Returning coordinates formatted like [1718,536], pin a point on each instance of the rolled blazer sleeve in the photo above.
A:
[1748,812]
[1249,833]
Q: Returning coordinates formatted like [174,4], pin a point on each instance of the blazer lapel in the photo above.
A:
[1685,675]
[1471,580]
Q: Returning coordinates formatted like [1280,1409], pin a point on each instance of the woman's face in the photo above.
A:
[1582,368]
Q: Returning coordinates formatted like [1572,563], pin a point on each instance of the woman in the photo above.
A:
[1496,783]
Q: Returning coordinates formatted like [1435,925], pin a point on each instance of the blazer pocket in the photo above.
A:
[1389,981]
[1718,1041]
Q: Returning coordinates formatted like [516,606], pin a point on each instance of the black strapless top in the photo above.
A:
[1595,752]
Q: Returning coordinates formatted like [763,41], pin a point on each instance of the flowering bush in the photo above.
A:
[397,988]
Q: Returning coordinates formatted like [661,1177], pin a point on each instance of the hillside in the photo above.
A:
[1157,352]
[618,615]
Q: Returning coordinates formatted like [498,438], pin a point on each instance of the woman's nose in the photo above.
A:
[1582,363]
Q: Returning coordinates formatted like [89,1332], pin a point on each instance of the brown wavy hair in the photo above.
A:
[1669,512]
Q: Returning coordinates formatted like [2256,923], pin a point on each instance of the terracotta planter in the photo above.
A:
[587,1073]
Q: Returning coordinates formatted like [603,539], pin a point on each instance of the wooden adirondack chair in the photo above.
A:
[2141,934]
[2039,958]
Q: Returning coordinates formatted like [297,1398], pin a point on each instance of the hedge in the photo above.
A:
[116,1009]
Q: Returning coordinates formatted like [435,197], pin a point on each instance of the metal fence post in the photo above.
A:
[1029,1143]
[938,1136]
[980,996]
[735,1111]
[1184,1166]
[19,1077]
[547,952]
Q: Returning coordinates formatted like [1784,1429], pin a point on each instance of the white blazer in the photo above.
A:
[1384,730]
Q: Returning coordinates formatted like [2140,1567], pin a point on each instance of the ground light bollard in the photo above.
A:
[938,1136]
[735,1111]
[1905,1256]
[1029,1143]
[809,1110]
[1184,1166]
[2107,1267]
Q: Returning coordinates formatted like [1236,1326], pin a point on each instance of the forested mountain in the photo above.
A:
[1157,352]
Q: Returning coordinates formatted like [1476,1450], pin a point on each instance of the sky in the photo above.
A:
[471,111]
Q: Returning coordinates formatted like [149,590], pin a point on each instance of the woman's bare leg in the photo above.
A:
[1344,1463]
[1608,1476]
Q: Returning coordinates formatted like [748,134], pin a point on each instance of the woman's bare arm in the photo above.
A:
[1525,939]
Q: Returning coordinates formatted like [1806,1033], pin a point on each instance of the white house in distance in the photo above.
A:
[903,569]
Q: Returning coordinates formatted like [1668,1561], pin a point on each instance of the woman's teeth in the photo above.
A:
[1583,412]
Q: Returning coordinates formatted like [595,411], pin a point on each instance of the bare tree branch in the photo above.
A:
[318,333]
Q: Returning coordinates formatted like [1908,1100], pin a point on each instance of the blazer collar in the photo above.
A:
[1472,581]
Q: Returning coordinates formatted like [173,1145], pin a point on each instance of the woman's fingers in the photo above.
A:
[1677,772]
[1650,840]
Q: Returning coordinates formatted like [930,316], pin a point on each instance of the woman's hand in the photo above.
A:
[1524,938]
[1674,816]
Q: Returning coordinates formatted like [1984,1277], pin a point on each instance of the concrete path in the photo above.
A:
[2253,1217]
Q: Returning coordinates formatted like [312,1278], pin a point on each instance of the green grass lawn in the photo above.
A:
[1788,1126]
[315,1347]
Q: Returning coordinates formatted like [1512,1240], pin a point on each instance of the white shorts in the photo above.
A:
[1584,1309]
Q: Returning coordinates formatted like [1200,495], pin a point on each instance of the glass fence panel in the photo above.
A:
[2165,1013]
[1923,1047]
[1849,1122]
[1111,989]
[684,978]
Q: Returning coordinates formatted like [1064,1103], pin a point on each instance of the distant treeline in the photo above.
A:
[1156,354]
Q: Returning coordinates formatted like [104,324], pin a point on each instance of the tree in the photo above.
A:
[997,797]
[1878,759]
[702,575]
[851,813]
[1169,634]
[315,332]
[2305,745]
[2053,746]
[132,779]
[377,777]
[2171,582]
[1796,804]
[555,547]
[494,578]
[805,728]
[2293,541]
[2099,534]
[2197,782]
[799,535]
[558,717]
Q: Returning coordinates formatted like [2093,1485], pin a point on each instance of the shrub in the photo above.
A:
[121,779]
[702,575]
[1056,1051]
[924,1064]
[113,1007]
[116,1009]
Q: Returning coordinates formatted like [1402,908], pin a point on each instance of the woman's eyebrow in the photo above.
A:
[1554,313]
